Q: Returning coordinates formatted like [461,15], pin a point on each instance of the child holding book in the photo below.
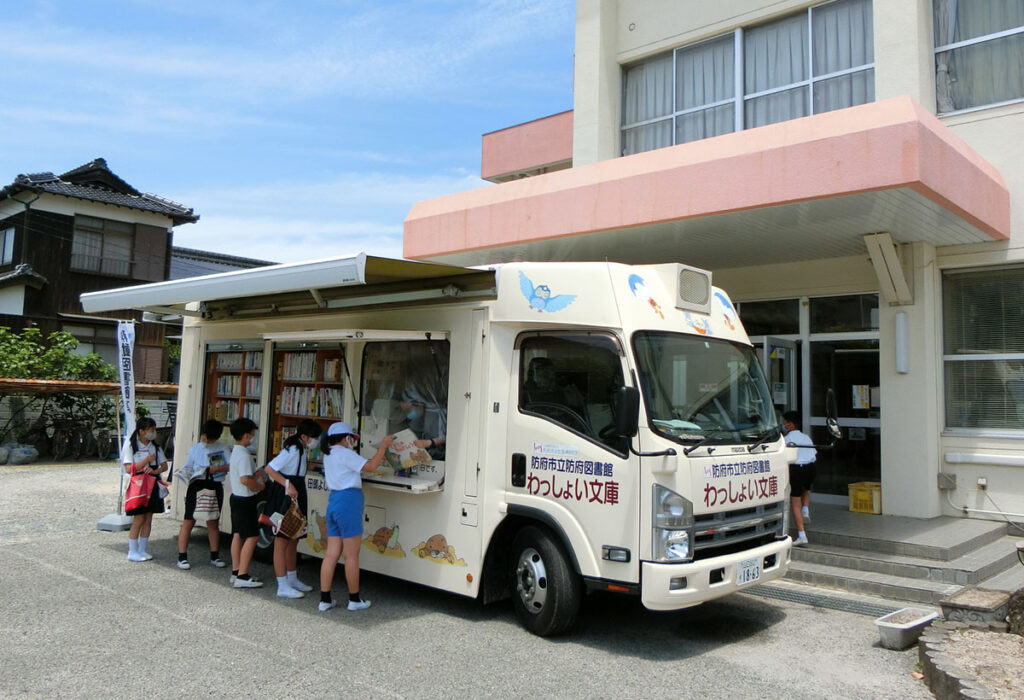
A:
[342,465]
[288,471]
[246,485]
[206,467]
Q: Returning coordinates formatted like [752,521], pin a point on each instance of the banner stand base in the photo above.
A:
[115,522]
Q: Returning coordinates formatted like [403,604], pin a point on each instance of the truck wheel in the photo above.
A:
[547,591]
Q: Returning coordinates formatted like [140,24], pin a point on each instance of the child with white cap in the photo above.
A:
[342,465]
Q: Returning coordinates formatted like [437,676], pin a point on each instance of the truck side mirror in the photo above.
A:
[627,412]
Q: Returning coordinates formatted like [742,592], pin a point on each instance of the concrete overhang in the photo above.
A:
[803,189]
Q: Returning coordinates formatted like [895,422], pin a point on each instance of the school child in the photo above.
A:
[206,467]
[140,455]
[342,465]
[288,471]
[246,485]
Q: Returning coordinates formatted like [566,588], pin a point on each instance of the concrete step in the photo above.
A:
[941,539]
[915,590]
[982,563]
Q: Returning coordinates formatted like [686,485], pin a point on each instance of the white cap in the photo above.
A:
[342,428]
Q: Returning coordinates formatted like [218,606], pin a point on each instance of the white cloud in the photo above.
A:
[290,221]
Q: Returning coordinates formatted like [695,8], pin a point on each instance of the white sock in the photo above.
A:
[143,541]
[133,546]
[801,535]
[292,576]
[805,510]
[282,582]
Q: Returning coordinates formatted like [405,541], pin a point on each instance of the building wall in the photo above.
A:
[12,300]
[612,33]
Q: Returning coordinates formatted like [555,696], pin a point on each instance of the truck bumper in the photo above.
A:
[663,586]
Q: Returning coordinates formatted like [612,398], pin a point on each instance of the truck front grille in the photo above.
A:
[733,531]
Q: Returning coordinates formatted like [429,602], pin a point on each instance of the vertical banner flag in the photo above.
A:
[126,373]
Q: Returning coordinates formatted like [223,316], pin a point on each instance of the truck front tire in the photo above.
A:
[546,591]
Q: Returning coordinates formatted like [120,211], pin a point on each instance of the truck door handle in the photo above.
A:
[518,469]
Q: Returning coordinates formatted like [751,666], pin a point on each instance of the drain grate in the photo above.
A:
[820,600]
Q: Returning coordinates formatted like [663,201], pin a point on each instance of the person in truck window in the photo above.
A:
[426,419]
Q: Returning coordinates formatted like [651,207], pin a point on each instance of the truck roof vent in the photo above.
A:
[694,289]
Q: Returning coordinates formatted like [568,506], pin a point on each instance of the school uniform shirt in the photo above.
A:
[129,456]
[289,463]
[203,455]
[804,455]
[241,465]
[342,467]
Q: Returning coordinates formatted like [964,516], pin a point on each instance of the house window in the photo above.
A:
[979,53]
[983,349]
[812,62]
[103,246]
[6,246]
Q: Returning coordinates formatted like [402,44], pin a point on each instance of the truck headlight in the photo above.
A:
[672,535]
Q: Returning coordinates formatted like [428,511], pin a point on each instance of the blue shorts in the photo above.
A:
[345,513]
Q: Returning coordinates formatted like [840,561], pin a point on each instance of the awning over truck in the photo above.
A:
[355,281]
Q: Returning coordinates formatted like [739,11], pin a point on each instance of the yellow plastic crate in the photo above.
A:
[866,497]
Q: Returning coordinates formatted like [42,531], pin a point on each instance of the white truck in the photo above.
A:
[591,426]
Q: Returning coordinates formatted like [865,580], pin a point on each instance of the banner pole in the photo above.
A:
[126,375]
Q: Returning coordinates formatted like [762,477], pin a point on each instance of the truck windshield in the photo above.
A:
[703,389]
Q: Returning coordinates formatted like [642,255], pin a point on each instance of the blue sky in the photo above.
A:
[297,129]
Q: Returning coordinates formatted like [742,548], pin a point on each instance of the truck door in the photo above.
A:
[564,459]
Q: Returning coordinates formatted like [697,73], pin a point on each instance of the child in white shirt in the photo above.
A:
[205,468]
[342,465]
[246,485]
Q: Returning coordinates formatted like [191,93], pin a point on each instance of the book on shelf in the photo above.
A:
[228,385]
[228,360]
[298,365]
[310,401]
[251,411]
[332,367]
[254,360]
[253,386]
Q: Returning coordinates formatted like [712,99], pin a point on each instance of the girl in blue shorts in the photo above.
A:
[342,465]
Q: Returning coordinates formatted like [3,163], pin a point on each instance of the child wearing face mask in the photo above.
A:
[140,455]
[342,465]
[288,469]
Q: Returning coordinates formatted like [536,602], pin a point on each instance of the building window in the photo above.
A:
[103,246]
[812,62]
[979,53]
[983,348]
[7,246]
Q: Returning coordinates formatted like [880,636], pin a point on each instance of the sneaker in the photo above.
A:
[232,580]
[134,556]
[247,583]
[324,607]
[145,556]
[299,585]
[218,562]
[289,592]
[358,605]
[184,565]
[800,541]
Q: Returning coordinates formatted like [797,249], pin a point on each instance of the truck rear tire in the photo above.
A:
[546,590]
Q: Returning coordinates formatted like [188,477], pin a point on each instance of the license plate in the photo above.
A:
[748,571]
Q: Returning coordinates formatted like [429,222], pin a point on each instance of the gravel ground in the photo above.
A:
[996,658]
[80,621]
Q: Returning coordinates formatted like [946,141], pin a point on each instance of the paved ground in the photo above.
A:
[78,620]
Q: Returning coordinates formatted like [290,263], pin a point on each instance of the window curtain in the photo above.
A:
[647,95]
[843,35]
[984,73]
[775,55]
[86,250]
[982,317]
[705,75]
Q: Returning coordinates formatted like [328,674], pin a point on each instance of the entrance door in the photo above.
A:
[781,364]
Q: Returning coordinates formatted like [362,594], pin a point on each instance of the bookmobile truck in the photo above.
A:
[592,426]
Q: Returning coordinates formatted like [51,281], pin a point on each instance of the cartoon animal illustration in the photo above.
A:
[540,297]
[385,538]
[317,539]
[639,289]
[728,312]
[700,325]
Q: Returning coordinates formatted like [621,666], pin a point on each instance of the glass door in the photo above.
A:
[781,364]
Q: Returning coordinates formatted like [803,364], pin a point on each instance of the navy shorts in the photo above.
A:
[195,487]
[801,477]
[244,516]
[345,513]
